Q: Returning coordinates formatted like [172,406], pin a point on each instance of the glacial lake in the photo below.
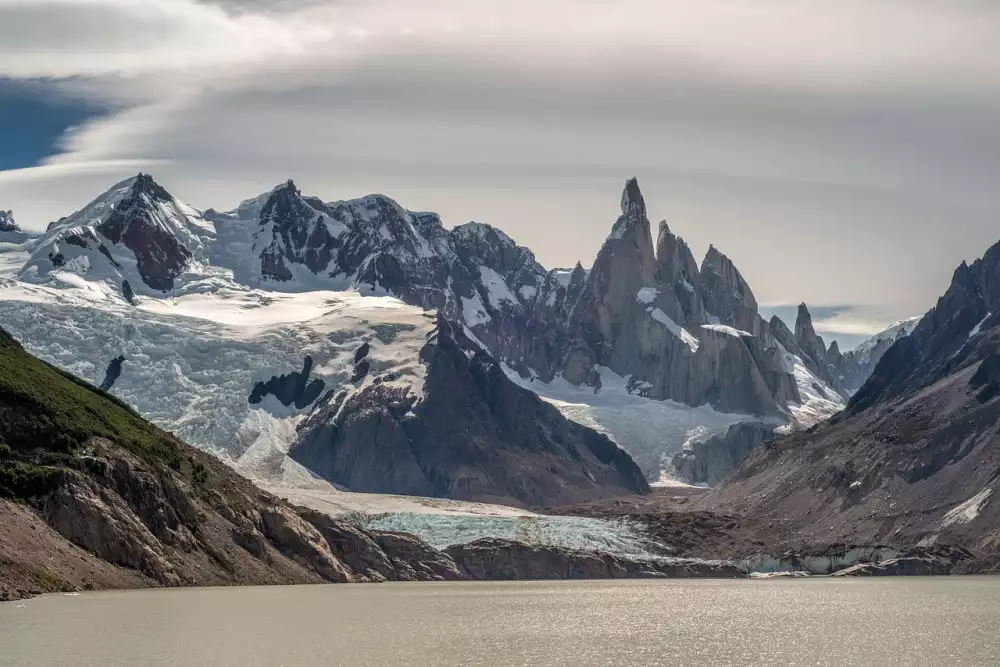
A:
[912,621]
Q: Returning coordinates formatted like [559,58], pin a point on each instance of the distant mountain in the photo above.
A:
[7,223]
[914,457]
[238,311]
[855,366]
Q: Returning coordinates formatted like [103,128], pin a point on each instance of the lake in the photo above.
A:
[898,621]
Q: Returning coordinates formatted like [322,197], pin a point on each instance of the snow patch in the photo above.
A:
[563,276]
[729,331]
[819,400]
[979,325]
[651,431]
[967,511]
[497,290]
[647,295]
[674,328]
[473,311]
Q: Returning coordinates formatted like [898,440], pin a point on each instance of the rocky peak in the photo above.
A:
[625,264]
[728,275]
[632,202]
[7,223]
[727,295]
[138,223]
[483,245]
[578,277]
[291,231]
[286,207]
[781,333]
[632,229]
[834,355]
[807,339]
[677,270]
[143,184]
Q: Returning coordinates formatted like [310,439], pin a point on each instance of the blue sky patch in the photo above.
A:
[33,117]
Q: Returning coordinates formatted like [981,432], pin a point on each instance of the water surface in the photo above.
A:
[902,621]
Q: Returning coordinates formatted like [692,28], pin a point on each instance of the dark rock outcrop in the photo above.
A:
[113,372]
[128,293]
[291,389]
[473,434]
[907,567]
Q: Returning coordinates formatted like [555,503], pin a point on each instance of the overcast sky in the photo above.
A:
[846,153]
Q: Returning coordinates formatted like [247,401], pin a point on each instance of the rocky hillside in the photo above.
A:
[914,458]
[92,495]
[472,435]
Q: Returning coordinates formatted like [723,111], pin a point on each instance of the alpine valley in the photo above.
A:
[370,370]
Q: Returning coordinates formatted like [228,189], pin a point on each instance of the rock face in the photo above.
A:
[709,462]
[913,458]
[496,559]
[471,434]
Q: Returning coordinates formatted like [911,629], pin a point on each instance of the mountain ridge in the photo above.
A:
[675,332]
[913,457]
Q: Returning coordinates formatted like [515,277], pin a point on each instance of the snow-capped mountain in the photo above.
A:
[243,332]
[7,223]
[135,236]
[855,366]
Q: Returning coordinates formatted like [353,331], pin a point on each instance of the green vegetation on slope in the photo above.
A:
[47,415]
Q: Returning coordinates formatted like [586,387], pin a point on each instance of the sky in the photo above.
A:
[845,154]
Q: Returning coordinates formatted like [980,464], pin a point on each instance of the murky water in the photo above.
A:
[917,621]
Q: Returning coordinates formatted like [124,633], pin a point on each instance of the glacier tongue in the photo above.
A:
[650,430]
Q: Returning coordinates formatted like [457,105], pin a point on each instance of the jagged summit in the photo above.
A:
[144,184]
[134,234]
[7,223]
[803,318]
[632,201]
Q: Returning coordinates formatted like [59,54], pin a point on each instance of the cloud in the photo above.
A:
[838,152]
[60,38]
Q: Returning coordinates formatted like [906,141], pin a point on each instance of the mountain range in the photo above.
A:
[137,280]
[327,348]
